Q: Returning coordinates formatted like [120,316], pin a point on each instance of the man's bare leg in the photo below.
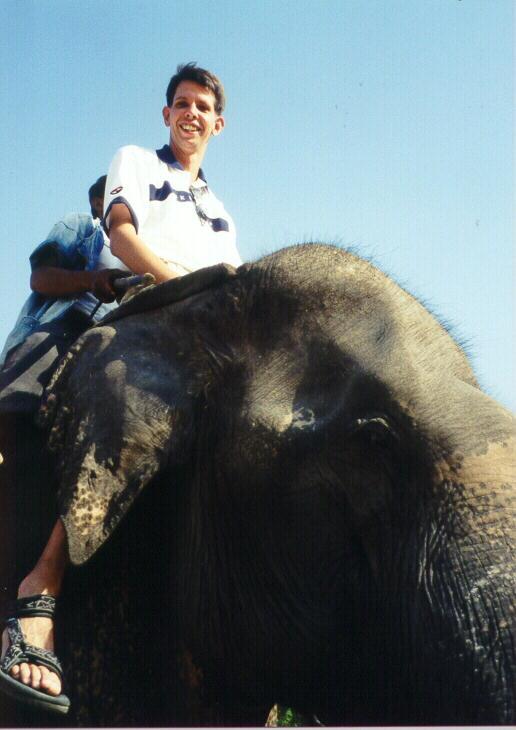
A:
[46,578]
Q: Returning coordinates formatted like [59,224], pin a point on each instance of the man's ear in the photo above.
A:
[166,116]
[219,126]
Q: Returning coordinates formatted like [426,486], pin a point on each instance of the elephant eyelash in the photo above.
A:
[375,419]
[378,427]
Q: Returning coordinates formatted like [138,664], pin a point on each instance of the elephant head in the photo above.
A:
[343,534]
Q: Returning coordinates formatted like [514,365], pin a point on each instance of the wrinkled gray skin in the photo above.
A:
[339,519]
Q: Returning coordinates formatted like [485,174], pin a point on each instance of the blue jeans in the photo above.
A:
[30,366]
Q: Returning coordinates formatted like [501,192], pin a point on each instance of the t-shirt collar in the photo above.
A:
[166,155]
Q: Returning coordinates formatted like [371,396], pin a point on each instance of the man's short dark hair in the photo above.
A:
[97,191]
[192,72]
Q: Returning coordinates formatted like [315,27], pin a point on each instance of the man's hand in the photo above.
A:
[102,283]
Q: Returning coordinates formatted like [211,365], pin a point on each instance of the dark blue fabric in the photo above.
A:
[123,201]
[30,365]
[166,155]
[218,224]
[165,190]
[182,196]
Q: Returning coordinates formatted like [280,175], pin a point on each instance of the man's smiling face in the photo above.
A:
[192,120]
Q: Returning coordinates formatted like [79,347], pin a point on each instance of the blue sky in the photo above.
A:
[381,124]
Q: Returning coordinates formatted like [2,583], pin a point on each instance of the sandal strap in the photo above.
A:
[45,657]
[15,654]
[20,651]
[39,605]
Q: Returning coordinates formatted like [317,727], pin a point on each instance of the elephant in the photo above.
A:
[283,484]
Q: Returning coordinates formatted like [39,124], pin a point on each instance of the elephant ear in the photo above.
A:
[479,432]
[479,475]
[119,413]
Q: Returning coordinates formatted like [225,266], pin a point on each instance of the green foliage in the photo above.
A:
[281,716]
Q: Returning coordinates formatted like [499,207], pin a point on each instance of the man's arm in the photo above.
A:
[51,281]
[129,247]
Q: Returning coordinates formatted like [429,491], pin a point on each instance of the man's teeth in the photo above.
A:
[189,128]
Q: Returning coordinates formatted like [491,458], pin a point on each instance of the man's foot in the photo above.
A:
[38,631]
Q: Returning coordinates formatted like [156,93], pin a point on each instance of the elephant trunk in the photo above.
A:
[470,577]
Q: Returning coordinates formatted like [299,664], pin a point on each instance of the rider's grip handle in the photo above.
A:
[124,283]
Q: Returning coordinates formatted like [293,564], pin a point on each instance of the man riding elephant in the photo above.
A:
[162,219]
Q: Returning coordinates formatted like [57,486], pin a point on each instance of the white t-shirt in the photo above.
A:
[184,224]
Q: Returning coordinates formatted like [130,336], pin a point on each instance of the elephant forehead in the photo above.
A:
[270,393]
[282,416]
[288,392]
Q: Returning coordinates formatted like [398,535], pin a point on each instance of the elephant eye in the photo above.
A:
[378,428]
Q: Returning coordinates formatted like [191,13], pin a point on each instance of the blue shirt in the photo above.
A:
[75,243]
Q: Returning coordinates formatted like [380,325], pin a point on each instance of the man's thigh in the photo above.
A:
[29,367]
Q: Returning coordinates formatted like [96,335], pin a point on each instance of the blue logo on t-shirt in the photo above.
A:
[165,190]
[182,196]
